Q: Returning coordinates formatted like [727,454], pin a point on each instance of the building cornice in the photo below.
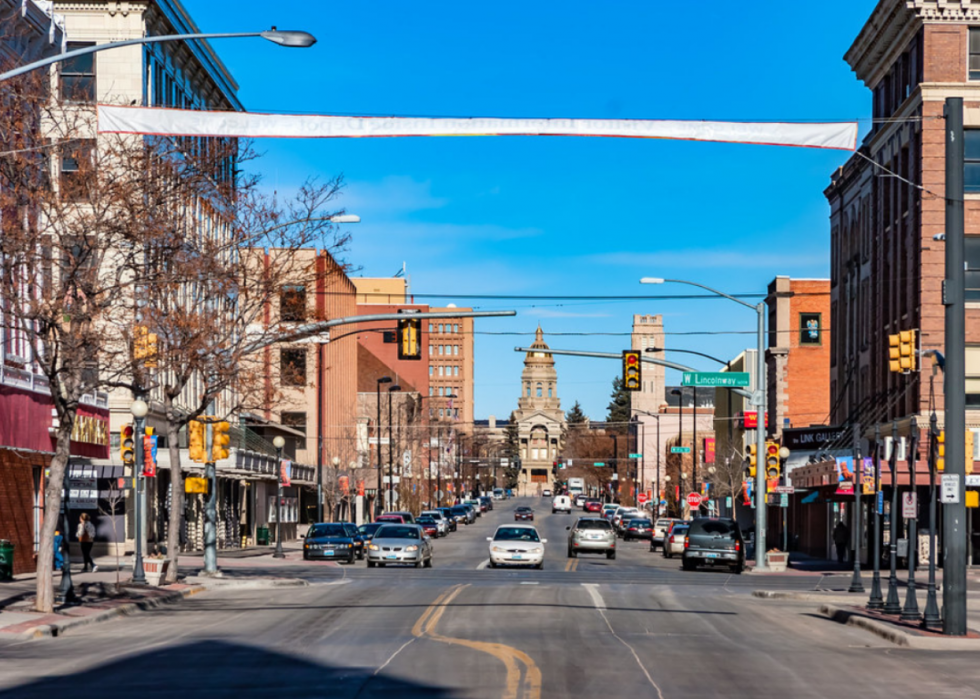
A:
[885,35]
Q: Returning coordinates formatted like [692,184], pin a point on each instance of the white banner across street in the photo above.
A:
[187,122]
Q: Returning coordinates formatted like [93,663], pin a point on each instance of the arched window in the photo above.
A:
[539,390]
[550,391]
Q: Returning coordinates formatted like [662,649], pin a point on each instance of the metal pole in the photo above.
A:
[377,498]
[319,433]
[389,503]
[931,618]
[856,585]
[876,602]
[892,605]
[954,383]
[279,552]
[139,575]
[439,468]
[680,456]
[760,440]
[66,591]
[911,610]
[694,452]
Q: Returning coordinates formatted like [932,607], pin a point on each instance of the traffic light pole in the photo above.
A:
[139,428]
[211,505]
[954,383]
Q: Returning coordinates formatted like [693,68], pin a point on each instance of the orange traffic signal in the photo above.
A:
[632,371]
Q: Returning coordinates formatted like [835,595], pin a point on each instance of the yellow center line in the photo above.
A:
[572,565]
[531,689]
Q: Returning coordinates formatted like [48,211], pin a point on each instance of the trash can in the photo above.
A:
[262,536]
[6,560]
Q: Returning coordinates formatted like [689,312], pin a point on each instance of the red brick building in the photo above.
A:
[887,209]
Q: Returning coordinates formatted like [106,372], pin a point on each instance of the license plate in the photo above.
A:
[391,556]
[517,557]
[328,552]
[711,555]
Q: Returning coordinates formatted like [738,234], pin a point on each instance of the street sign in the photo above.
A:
[950,493]
[599,463]
[636,456]
[908,505]
[788,489]
[880,502]
[693,500]
[716,379]
[784,499]
[642,498]
[680,450]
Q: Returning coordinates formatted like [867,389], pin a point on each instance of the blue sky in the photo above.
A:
[571,216]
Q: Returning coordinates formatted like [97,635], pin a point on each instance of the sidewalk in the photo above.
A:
[802,564]
[108,593]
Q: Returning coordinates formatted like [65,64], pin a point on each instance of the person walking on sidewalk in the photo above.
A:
[86,536]
[842,536]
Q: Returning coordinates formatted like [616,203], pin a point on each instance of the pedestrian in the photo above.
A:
[59,554]
[86,536]
[842,536]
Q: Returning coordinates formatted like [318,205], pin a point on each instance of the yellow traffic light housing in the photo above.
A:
[220,440]
[894,353]
[969,451]
[772,461]
[941,450]
[906,350]
[753,459]
[632,371]
[195,441]
[145,346]
[409,334]
[127,444]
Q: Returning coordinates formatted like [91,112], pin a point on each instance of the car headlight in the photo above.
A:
[373,547]
[350,546]
[411,548]
[498,549]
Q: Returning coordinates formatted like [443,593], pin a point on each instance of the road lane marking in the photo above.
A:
[600,605]
[572,565]
[514,688]
[483,565]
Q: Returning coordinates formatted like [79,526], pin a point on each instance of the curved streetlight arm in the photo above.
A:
[684,351]
[657,280]
[292,39]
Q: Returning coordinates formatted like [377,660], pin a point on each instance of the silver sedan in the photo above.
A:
[400,544]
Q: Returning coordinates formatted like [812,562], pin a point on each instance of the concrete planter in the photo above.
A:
[777,561]
[155,569]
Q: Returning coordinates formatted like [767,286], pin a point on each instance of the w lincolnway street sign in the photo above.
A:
[716,379]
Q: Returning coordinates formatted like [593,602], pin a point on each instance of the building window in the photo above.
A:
[810,329]
[431,370]
[78,75]
[456,349]
[442,371]
[432,391]
[441,328]
[292,304]
[972,281]
[974,54]
[430,327]
[431,349]
[971,146]
[455,328]
[455,371]
[973,376]
[442,412]
[77,161]
[456,412]
[550,391]
[295,420]
[292,367]
[539,390]
[528,390]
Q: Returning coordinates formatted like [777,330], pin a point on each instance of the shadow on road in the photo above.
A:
[210,669]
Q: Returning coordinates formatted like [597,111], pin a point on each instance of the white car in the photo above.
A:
[440,521]
[516,544]
[546,493]
[562,503]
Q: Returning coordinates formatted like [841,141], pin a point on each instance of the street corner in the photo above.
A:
[245,583]
[901,633]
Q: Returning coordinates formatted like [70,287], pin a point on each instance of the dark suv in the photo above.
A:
[714,541]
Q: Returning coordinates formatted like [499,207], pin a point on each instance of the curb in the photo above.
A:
[800,596]
[897,636]
[245,584]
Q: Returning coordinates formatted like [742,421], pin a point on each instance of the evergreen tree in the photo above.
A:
[513,450]
[576,416]
[619,406]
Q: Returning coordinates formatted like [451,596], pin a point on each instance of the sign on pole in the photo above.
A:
[599,463]
[908,505]
[693,500]
[716,379]
[680,450]
[636,456]
[950,493]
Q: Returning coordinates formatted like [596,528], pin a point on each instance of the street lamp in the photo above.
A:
[139,409]
[287,38]
[278,442]
[336,475]
[378,507]
[760,403]
[391,445]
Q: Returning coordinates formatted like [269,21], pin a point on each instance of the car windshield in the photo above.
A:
[664,522]
[714,526]
[368,529]
[433,515]
[425,520]
[460,510]
[523,509]
[516,534]
[318,530]
[394,531]
[593,524]
[680,530]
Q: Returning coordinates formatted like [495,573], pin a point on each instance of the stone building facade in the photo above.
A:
[540,419]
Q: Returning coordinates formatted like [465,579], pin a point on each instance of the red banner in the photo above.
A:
[284,469]
[344,482]
[709,450]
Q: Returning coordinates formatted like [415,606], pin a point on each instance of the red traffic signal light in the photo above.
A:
[632,371]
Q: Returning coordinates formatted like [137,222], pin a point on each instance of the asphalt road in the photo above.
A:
[636,626]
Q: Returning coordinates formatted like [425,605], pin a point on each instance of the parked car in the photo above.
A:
[593,506]
[714,541]
[400,543]
[391,518]
[367,531]
[477,506]
[499,494]
[330,541]
[440,519]
[487,502]
[579,500]
[674,543]
[561,503]
[409,519]
[660,530]
[447,512]
[638,528]
[546,493]
[591,535]
[523,514]
[516,544]
[429,526]
[463,514]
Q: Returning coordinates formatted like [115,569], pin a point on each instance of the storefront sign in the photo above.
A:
[90,430]
[810,438]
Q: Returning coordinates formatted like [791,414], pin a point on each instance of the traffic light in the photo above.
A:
[753,459]
[772,460]
[145,346]
[969,451]
[220,440]
[409,331]
[941,450]
[127,444]
[901,351]
[195,441]
[632,371]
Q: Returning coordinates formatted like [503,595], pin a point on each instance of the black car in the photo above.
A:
[447,513]
[715,542]
[638,528]
[523,514]
[488,501]
[332,541]
[367,530]
[461,513]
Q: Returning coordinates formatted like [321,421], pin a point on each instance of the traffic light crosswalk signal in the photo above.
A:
[127,444]
[632,371]
[901,351]
[772,460]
